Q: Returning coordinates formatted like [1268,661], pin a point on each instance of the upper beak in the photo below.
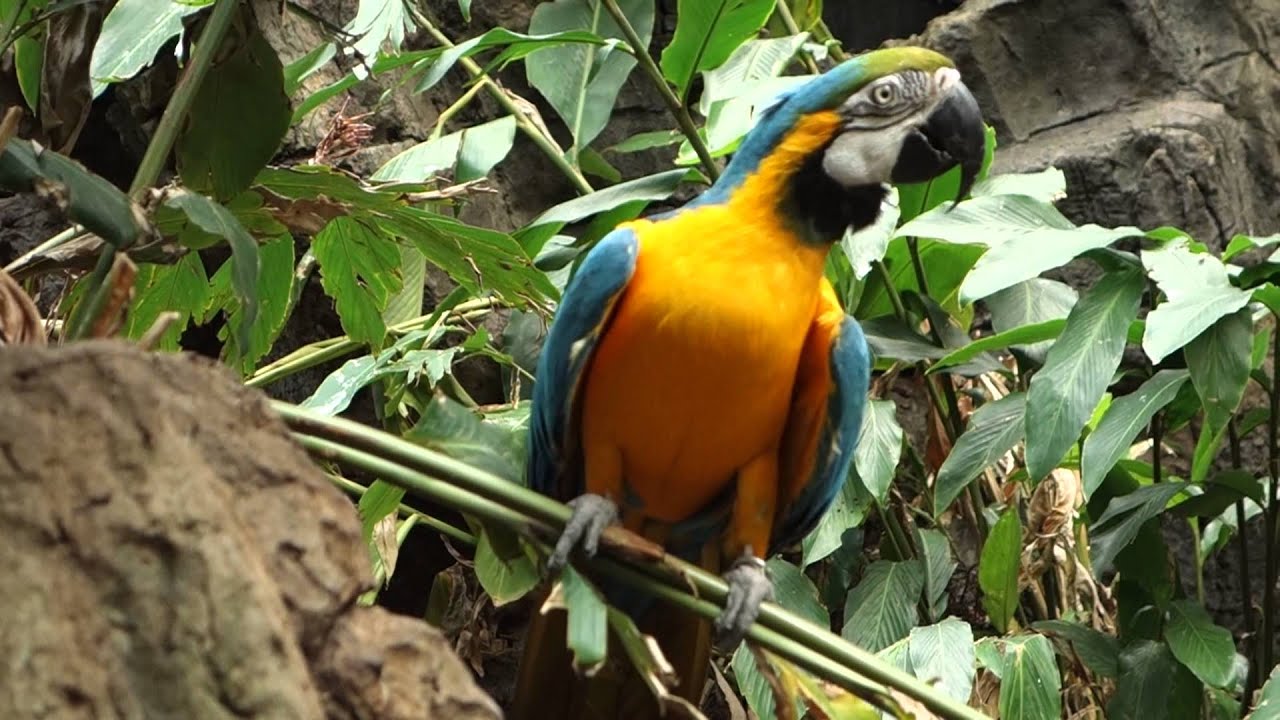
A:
[953,134]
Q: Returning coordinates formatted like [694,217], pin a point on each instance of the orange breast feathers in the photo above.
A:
[693,378]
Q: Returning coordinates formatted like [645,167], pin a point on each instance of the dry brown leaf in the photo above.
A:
[119,285]
[1054,502]
[20,322]
[65,94]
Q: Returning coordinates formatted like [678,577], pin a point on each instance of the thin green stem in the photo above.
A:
[545,142]
[447,114]
[833,46]
[157,154]
[1271,548]
[493,499]
[789,22]
[673,103]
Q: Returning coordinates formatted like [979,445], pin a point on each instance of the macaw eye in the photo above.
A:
[884,94]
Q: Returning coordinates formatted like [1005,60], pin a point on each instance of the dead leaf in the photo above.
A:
[304,216]
[119,289]
[387,544]
[1054,502]
[65,93]
[20,322]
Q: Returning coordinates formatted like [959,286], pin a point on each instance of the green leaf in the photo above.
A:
[246,265]
[942,655]
[588,623]
[1219,361]
[275,285]
[879,447]
[377,22]
[1127,416]
[515,46]
[1124,516]
[1222,492]
[468,154]
[1145,683]
[945,267]
[1048,185]
[1268,707]
[1205,648]
[993,430]
[707,33]
[1031,302]
[449,427]
[302,68]
[793,590]
[1099,652]
[380,500]
[86,198]
[222,148]
[881,609]
[755,59]
[935,553]
[504,565]
[1029,680]
[891,339]
[848,511]
[647,141]
[581,82]
[989,654]
[646,189]
[1241,243]
[998,569]
[132,33]
[1078,369]
[464,7]
[359,269]
[1199,291]
[1026,237]
[181,287]
[28,61]
[869,244]
[1037,333]
[340,386]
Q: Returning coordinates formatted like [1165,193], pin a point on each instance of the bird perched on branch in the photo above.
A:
[700,383]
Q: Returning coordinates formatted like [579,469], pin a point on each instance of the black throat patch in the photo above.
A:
[820,208]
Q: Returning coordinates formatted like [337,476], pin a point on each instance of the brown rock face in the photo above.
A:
[166,551]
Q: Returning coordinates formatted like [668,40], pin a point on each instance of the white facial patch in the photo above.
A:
[858,157]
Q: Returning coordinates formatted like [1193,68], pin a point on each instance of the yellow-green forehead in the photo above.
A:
[887,61]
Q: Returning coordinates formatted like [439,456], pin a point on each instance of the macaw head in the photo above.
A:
[897,115]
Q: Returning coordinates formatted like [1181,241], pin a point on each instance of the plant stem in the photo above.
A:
[824,34]
[673,103]
[1242,546]
[789,22]
[1270,545]
[1157,439]
[545,142]
[447,114]
[494,499]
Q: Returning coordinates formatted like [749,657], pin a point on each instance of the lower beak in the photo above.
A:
[953,134]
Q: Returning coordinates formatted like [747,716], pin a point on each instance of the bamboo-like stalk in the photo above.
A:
[673,103]
[493,499]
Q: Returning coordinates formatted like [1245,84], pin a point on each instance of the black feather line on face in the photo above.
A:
[821,209]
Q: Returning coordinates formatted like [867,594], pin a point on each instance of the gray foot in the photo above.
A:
[749,586]
[591,515]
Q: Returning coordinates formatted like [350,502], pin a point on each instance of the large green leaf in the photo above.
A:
[935,554]
[505,566]
[28,62]
[449,427]
[1037,333]
[1127,416]
[1268,707]
[871,243]
[793,590]
[879,447]
[132,33]
[182,288]
[1026,237]
[1029,680]
[515,45]
[707,33]
[1031,302]
[275,285]
[881,609]
[1098,651]
[993,430]
[945,266]
[1078,369]
[848,511]
[1222,492]
[1219,361]
[755,59]
[943,654]
[998,569]
[581,81]
[468,154]
[1124,516]
[222,147]
[644,190]
[379,22]
[360,270]
[1198,291]
[215,219]
[1145,685]
[1048,185]
[588,624]
[1204,647]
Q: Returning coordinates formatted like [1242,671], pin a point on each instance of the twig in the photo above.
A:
[9,126]
[158,328]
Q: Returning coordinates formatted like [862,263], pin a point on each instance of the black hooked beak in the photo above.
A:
[953,134]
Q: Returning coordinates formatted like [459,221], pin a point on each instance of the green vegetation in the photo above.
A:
[1044,453]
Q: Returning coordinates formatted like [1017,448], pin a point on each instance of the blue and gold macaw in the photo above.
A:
[700,382]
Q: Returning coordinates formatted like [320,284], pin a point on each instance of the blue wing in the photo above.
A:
[849,370]
[584,311]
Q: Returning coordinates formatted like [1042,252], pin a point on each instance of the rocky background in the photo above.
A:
[1159,113]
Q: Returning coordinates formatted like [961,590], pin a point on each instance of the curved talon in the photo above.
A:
[749,587]
[591,515]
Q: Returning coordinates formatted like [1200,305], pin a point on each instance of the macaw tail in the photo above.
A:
[548,687]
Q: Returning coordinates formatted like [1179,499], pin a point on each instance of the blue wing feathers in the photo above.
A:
[586,306]
[851,375]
